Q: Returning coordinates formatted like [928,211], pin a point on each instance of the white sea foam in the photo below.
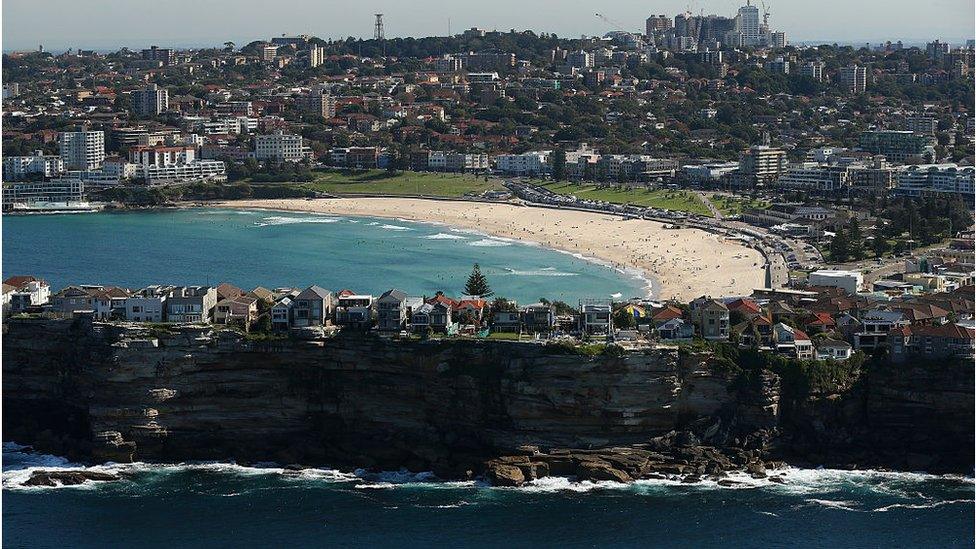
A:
[276,220]
[489,243]
[445,236]
[547,271]
[474,232]
[395,228]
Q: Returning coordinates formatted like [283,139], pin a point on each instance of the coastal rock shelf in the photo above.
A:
[123,392]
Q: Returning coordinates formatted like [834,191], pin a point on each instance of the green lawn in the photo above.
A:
[733,205]
[504,336]
[676,200]
[400,183]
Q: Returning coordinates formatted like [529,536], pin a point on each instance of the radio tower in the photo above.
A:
[378,28]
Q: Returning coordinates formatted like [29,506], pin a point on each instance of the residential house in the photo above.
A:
[932,342]
[923,313]
[595,318]
[147,304]
[354,310]
[676,329]
[281,314]
[262,294]
[241,310]
[744,306]
[506,320]
[312,307]
[819,323]
[755,332]
[391,311]
[104,302]
[712,318]
[875,325]
[471,310]
[538,318]
[28,292]
[8,292]
[668,312]
[71,299]
[793,342]
[191,304]
[433,316]
[833,349]
[228,291]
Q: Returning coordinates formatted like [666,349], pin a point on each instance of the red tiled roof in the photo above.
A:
[744,305]
[669,312]
[20,280]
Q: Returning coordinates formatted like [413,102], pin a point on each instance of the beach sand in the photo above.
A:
[685,263]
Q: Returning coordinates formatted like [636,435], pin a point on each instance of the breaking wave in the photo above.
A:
[276,220]
[489,243]
[444,236]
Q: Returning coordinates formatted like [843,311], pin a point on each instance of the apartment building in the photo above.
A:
[762,164]
[897,146]
[922,179]
[84,150]
[56,190]
[529,163]
[150,101]
[20,167]
[281,147]
[853,78]
[816,177]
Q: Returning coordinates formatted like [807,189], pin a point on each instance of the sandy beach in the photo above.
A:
[685,263]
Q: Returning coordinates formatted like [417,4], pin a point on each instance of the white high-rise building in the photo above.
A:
[316,56]
[83,150]
[747,23]
[281,147]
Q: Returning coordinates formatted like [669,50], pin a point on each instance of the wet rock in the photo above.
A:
[534,470]
[68,478]
[501,474]
[599,470]
[756,470]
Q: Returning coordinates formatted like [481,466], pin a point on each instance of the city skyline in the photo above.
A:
[112,25]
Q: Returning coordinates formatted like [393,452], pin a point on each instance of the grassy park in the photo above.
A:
[400,183]
[670,199]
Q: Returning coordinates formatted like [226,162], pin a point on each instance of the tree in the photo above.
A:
[840,246]
[477,283]
[855,239]
[559,165]
[623,318]
[879,245]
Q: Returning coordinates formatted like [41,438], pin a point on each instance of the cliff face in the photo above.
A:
[125,392]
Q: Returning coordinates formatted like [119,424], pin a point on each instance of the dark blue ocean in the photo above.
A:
[230,506]
[274,249]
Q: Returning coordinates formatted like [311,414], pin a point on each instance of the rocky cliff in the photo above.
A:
[120,392]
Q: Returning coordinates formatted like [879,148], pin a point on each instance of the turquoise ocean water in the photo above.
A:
[273,249]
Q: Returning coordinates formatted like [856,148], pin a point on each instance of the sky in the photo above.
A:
[111,24]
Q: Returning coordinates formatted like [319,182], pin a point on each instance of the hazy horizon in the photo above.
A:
[112,24]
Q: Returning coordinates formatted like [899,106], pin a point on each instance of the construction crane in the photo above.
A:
[613,24]
[765,8]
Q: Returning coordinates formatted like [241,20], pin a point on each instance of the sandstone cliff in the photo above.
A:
[119,392]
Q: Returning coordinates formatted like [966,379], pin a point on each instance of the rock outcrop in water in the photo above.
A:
[122,392]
